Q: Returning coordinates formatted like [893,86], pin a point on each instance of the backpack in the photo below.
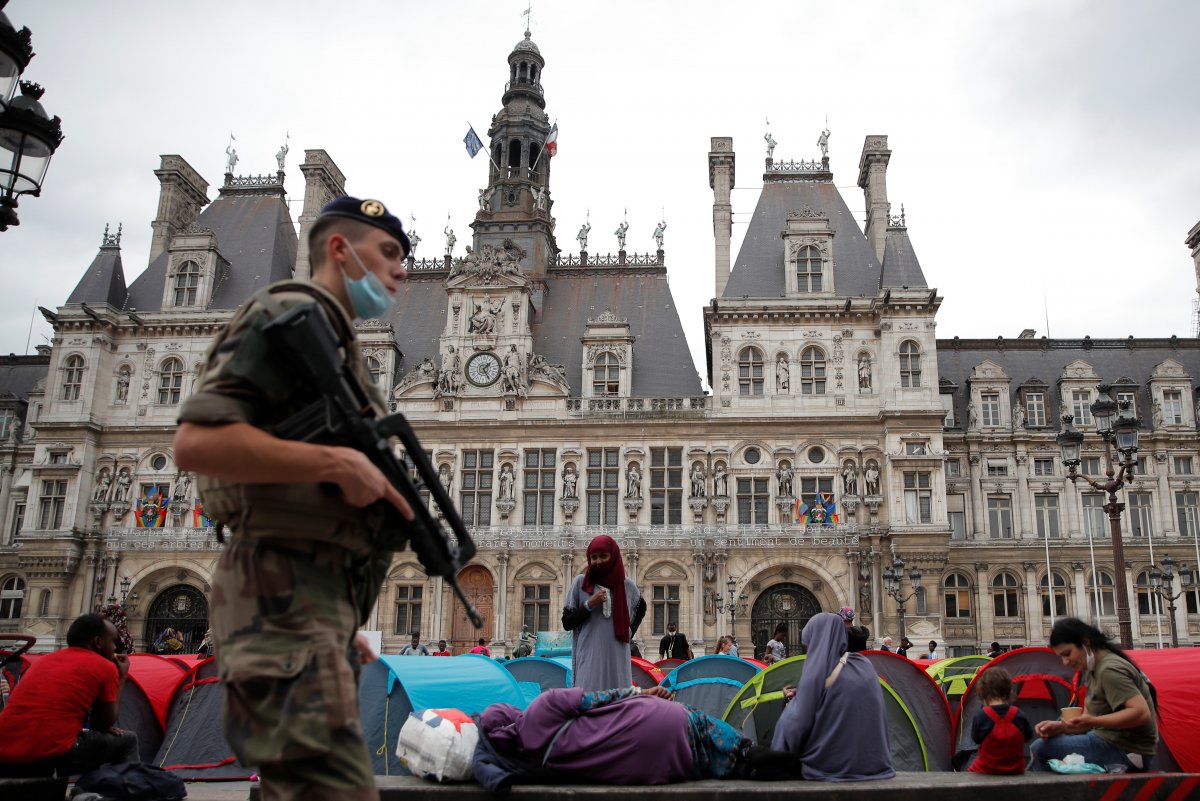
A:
[133,781]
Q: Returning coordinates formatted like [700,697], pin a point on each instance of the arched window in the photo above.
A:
[72,378]
[812,371]
[1005,595]
[808,269]
[1148,601]
[750,372]
[958,595]
[375,368]
[910,364]
[514,158]
[12,595]
[1102,594]
[1059,594]
[606,375]
[187,281]
[170,381]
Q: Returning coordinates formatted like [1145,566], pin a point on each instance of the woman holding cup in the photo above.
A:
[1116,727]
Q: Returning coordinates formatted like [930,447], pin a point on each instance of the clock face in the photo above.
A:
[483,369]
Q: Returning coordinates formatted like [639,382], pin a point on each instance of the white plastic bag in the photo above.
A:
[438,744]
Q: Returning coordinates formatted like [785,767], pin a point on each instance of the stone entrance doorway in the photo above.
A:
[789,604]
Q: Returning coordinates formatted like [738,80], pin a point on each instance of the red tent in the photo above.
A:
[645,674]
[1173,673]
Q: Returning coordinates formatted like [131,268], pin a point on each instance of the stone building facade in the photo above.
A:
[555,394]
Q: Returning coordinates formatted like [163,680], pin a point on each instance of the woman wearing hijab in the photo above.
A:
[604,737]
[1117,726]
[598,610]
[835,721]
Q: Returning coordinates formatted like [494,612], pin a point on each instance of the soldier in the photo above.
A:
[302,571]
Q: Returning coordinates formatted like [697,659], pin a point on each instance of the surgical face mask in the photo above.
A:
[369,298]
[1091,659]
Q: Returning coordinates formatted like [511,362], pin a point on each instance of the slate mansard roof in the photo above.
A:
[104,281]
[662,363]
[758,270]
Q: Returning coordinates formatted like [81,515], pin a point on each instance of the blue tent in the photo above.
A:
[394,686]
[709,683]
[537,674]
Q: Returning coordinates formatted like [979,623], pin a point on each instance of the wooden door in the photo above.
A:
[477,583]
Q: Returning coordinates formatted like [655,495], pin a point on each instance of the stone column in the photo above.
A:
[1033,605]
[978,502]
[697,622]
[984,611]
[499,631]
[1166,500]
[1024,499]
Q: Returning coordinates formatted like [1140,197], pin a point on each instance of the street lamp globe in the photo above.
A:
[1070,442]
[1125,430]
[16,50]
[1104,409]
[28,138]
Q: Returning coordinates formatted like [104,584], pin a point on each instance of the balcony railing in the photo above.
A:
[643,408]
[577,537]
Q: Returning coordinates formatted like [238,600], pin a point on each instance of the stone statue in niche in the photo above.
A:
[849,478]
[183,486]
[872,477]
[506,482]
[569,477]
[720,481]
[633,481]
[864,371]
[782,373]
[123,385]
[444,477]
[103,484]
[1018,418]
[785,480]
[124,480]
[698,474]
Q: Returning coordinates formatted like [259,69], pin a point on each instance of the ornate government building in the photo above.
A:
[557,398]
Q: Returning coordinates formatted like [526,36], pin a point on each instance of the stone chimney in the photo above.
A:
[323,181]
[720,177]
[872,177]
[182,193]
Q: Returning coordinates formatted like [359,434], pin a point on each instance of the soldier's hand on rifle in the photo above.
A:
[362,483]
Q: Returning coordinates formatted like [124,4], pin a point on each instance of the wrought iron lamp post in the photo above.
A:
[28,136]
[1118,428]
[893,582]
[732,601]
[1163,581]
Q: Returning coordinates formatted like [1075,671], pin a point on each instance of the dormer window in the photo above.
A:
[910,364]
[187,284]
[606,376]
[170,381]
[808,269]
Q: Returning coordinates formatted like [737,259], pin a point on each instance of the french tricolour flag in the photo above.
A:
[552,141]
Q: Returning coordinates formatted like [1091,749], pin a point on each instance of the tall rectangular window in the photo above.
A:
[1081,406]
[17,521]
[1000,517]
[948,405]
[1035,409]
[956,514]
[535,606]
[1185,511]
[664,607]
[6,421]
[538,495]
[1090,466]
[1172,407]
[1043,467]
[1045,512]
[1141,517]
[602,478]
[990,402]
[475,492]
[408,608]
[954,468]
[666,486]
[1183,465]
[918,498]
[52,503]
[1095,519]
[752,501]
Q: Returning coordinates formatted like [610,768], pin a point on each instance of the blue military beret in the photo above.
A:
[371,212]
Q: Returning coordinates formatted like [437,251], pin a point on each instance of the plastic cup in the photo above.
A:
[1071,712]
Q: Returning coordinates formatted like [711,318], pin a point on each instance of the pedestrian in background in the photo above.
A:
[415,648]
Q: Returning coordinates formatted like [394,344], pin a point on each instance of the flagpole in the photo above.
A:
[543,147]
[471,127]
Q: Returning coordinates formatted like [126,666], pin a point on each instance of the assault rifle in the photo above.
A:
[344,415]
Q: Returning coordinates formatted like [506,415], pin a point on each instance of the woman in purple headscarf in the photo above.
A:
[835,721]
[625,736]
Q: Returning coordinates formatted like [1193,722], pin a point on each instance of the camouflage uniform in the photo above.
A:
[297,580]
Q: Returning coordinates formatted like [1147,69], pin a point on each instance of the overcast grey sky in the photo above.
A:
[1043,149]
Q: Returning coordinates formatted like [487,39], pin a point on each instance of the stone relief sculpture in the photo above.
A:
[782,374]
[698,475]
[872,477]
[485,197]
[541,199]
[849,478]
[569,477]
[511,373]
[864,371]
[450,378]
[506,482]
[784,474]
[483,319]
[633,481]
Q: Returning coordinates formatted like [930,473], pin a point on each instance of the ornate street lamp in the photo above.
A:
[1163,581]
[28,136]
[732,601]
[1117,425]
[124,590]
[893,582]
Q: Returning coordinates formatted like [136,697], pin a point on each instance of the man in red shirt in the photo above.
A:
[43,721]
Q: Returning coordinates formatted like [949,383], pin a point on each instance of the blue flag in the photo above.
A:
[471,140]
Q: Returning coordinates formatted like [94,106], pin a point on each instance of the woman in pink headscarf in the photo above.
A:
[603,608]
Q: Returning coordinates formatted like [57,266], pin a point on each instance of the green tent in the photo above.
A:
[955,675]
[756,709]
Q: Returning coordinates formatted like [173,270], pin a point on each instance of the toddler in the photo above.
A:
[999,727]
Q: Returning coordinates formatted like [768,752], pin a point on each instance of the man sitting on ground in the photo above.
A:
[43,720]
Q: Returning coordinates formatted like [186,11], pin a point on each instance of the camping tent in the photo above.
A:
[709,683]
[540,674]
[1172,671]
[924,701]
[645,674]
[667,665]
[146,700]
[394,686]
[953,675]
[756,709]
[193,744]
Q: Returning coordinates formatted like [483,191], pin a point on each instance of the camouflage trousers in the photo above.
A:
[284,620]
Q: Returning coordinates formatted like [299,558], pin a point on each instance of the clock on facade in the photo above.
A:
[483,369]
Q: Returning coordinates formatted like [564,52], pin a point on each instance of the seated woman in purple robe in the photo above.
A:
[835,722]
[625,736]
